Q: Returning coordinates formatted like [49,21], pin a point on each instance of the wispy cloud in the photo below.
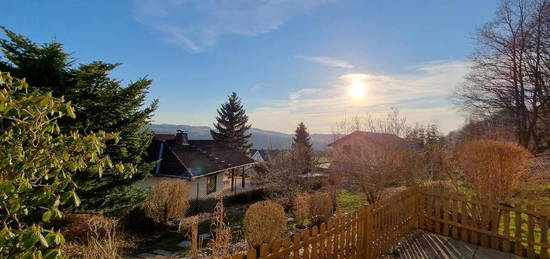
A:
[198,24]
[422,94]
[327,61]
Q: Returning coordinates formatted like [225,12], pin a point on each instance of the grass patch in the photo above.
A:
[350,200]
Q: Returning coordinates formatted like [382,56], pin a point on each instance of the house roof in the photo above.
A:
[378,138]
[199,158]
[266,154]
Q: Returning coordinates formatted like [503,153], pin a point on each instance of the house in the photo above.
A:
[359,143]
[206,164]
[362,139]
[263,155]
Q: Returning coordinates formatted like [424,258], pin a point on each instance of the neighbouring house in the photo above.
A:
[207,164]
[263,155]
[359,142]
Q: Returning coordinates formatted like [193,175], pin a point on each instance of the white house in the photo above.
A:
[204,163]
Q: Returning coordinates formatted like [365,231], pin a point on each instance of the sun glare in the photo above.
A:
[357,89]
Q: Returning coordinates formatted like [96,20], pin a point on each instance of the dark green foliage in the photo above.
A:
[101,103]
[37,162]
[230,126]
[302,150]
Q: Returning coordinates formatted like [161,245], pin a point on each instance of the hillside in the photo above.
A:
[260,138]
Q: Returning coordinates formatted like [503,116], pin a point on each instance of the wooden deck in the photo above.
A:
[429,245]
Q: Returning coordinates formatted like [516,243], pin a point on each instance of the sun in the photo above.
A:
[357,89]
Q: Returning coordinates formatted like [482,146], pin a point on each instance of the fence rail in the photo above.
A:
[375,229]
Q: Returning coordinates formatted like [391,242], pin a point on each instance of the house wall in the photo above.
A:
[197,183]
[257,157]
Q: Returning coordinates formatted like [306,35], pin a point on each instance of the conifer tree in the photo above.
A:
[231,125]
[101,103]
[302,149]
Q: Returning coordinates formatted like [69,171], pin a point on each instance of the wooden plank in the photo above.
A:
[530,235]
[251,254]
[314,246]
[264,250]
[330,238]
[287,243]
[464,220]
[305,244]
[322,242]
[474,237]
[544,234]
[484,225]
[445,210]
[518,246]
[336,243]
[437,206]
[275,246]
[506,232]
[455,218]
[296,245]
[495,225]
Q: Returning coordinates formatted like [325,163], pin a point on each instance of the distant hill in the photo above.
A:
[260,138]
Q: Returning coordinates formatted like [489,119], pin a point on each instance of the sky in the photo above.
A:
[316,61]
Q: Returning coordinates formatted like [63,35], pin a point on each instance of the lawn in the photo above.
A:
[349,200]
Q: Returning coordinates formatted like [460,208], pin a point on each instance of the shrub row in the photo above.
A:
[208,204]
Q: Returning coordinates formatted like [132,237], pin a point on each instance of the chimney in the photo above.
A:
[181,138]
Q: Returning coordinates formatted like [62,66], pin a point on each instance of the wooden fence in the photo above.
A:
[376,229]
[511,229]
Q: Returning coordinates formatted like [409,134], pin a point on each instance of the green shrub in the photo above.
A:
[264,222]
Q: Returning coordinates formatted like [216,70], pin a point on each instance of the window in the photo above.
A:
[211,184]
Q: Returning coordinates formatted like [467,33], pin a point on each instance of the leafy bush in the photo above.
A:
[37,163]
[301,208]
[169,201]
[494,168]
[264,222]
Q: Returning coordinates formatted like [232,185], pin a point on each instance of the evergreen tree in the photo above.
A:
[302,150]
[101,103]
[231,125]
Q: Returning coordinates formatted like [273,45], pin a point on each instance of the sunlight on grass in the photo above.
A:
[350,200]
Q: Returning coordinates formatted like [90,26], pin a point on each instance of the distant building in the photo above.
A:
[206,164]
[358,140]
[361,142]
[264,155]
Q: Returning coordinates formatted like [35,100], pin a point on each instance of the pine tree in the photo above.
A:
[231,125]
[302,150]
[100,103]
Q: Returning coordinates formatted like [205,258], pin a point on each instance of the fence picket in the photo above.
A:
[544,234]
[376,228]
[518,246]
[464,220]
[506,232]
[530,235]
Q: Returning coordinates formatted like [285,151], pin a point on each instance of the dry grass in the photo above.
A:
[264,222]
[102,239]
[169,201]
[494,168]
[221,244]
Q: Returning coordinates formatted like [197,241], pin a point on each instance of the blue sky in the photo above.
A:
[289,60]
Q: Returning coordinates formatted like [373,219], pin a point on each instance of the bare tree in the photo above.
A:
[510,69]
